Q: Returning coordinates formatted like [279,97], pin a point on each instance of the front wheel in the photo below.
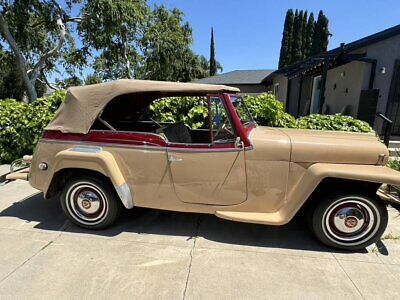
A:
[90,202]
[350,222]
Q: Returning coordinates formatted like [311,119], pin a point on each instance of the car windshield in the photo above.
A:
[242,110]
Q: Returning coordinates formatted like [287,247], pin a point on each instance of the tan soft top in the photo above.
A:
[83,104]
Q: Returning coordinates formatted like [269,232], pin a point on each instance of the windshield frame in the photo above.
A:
[250,121]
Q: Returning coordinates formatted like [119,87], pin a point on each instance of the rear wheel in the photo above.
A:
[349,221]
[90,202]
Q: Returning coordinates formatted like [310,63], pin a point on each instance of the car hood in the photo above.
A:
[310,146]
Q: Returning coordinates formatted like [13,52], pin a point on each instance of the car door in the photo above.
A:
[213,173]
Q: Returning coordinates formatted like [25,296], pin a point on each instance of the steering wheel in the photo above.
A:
[223,127]
[155,122]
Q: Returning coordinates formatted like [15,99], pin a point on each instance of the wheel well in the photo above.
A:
[61,177]
[329,184]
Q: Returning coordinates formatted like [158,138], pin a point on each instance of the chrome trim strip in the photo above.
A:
[140,147]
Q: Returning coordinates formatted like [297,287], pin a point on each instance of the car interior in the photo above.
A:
[125,114]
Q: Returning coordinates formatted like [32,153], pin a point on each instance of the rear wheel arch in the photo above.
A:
[62,176]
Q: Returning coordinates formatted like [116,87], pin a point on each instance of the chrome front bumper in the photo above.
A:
[389,193]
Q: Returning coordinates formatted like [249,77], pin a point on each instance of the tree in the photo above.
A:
[285,54]
[213,63]
[118,39]
[68,82]
[166,48]
[36,33]
[111,31]
[303,37]
[321,35]
[304,34]
[297,37]
[11,85]
[309,36]
[92,79]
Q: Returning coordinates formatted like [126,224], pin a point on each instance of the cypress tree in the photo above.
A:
[213,63]
[325,33]
[309,36]
[304,34]
[297,37]
[321,35]
[286,44]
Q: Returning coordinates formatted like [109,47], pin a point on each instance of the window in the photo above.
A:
[276,89]
[242,110]
[222,130]
[183,120]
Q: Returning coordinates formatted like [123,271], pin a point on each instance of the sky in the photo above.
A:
[248,33]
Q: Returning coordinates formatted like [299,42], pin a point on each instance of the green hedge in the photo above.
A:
[336,122]
[22,124]
[268,111]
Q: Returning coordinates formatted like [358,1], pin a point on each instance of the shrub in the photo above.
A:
[394,164]
[336,122]
[21,124]
[268,111]
[190,110]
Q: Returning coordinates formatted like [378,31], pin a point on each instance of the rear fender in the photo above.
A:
[94,158]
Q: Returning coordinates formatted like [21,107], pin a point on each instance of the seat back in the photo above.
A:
[178,133]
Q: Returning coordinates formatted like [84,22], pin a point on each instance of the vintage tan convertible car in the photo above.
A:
[102,152]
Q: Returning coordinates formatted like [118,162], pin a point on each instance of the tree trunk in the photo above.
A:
[21,62]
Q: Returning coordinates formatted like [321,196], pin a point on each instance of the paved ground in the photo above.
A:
[165,255]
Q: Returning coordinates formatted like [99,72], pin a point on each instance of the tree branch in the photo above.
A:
[39,65]
[46,81]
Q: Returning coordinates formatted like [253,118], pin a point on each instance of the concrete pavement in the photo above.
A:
[152,254]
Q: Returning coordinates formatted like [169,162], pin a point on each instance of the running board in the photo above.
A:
[275,218]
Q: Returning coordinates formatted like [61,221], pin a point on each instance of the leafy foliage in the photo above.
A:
[268,111]
[21,124]
[394,164]
[336,122]
[190,110]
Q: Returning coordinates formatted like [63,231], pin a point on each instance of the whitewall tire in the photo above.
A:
[349,221]
[90,202]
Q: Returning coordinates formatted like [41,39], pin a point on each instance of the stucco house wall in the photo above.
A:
[344,85]
[386,52]
[283,87]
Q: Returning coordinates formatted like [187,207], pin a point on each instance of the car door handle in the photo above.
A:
[174,159]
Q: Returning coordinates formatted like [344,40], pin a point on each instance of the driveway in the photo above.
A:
[151,254]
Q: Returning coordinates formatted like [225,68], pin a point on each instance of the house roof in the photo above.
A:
[237,77]
[342,49]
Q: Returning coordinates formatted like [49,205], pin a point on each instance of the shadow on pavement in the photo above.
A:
[295,235]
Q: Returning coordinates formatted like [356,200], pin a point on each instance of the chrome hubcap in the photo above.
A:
[351,221]
[87,203]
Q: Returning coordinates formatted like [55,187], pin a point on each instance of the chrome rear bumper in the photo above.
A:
[19,169]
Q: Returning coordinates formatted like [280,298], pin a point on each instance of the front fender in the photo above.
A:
[298,194]
[94,158]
